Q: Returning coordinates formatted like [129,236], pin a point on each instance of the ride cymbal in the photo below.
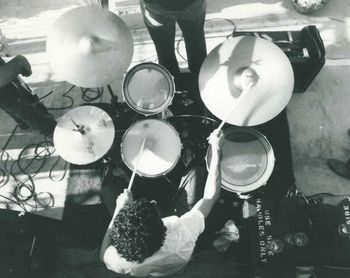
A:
[89,47]
[232,66]
[84,134]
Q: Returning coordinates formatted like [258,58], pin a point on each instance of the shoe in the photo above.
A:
[340,168]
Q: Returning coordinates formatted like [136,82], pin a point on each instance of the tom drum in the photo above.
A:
[148,88]
[247,160]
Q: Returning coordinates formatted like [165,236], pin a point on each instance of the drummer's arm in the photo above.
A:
[213,183]
[10,70]
[123,198]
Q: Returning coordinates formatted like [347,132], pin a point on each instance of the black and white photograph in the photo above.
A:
[174,138]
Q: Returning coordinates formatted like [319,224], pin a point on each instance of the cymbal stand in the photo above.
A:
[114,98]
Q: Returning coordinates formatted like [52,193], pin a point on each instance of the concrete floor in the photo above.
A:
[318,118]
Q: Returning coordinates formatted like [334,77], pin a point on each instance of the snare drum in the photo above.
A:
[247,160]
[162,147]
[148,88]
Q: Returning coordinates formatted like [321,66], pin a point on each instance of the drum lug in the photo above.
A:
[235,204]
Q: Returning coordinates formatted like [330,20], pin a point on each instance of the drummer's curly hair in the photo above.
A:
[138,231]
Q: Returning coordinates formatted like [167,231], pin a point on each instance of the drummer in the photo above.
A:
[139,242]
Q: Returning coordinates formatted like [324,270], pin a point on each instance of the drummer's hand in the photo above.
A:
[123,199]
[215,139]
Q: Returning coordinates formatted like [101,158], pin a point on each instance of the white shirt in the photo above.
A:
[180,240]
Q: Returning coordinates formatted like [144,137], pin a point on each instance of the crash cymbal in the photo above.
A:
[232,66]
[84,134]
[89,47]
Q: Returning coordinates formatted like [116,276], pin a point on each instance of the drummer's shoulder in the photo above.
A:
[193,217]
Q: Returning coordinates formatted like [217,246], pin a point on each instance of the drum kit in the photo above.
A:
[244,81]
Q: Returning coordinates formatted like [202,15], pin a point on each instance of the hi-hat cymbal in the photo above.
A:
[84,134]
[89,47]
[234,64]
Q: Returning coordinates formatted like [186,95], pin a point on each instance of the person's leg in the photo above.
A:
[161,27]
[191,22]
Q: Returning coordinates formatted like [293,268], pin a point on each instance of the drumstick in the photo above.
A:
[136,164]
[244,91]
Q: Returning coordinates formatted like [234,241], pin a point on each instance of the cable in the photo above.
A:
[24,194]
[98,94]
[12,201]
[65,95]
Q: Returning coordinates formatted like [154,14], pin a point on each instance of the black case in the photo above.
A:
[304,49]
[319,217]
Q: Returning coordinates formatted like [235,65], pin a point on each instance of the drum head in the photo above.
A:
[148,88]
[161,151]
[247,160]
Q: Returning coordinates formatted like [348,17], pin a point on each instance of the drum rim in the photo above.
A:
[238,189]
[130,102]
[129,164]
[193,116]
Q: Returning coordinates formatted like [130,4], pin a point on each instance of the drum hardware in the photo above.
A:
[275,246]
[184,99]
[79,128]
[300,239]
[235,63]
[90,131]
[114,98]
[288,240]
[89,55]
[344,230]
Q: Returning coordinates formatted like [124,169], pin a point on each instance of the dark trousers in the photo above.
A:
[190,190]
[26,109]
[161,26]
